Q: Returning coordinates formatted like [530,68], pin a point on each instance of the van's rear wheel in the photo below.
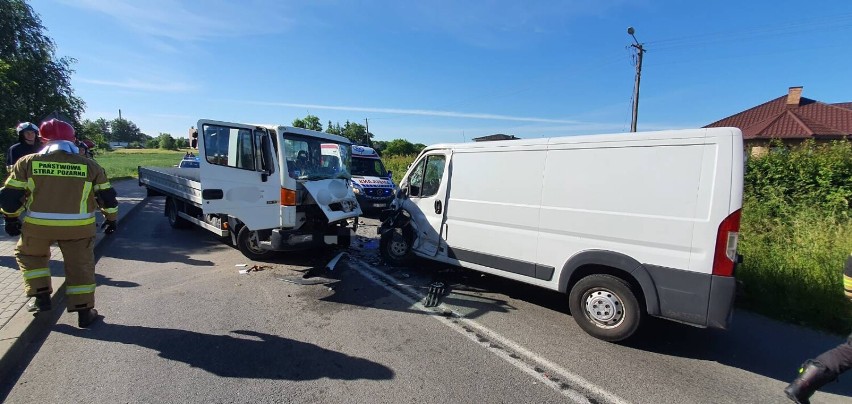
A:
[605,307]
[172,209]
[394,247]
[247,243]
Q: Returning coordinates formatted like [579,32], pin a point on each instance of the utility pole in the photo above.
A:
[119,114]
[367,125]
[640,50]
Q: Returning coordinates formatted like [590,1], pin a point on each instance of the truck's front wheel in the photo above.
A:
[605,307]
[247,242]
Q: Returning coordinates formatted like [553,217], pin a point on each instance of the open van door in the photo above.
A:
[426,187]
[238,173]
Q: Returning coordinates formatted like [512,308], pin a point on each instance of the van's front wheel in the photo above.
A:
[605,307]
[394,247]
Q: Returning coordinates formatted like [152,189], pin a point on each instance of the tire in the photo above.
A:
[177,222]
[605,307]
[394,248]
[254,253]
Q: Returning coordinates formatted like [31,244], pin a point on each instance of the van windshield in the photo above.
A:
[316,159]
[364,167]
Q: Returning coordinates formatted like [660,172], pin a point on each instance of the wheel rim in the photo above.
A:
[604,308]
[397,247]
[253,244]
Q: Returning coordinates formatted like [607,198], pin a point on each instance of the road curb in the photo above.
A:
[24,328]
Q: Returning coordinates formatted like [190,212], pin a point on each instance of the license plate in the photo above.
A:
[380,205]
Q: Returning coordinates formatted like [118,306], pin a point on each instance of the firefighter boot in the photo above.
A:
[87,317]
[812,376]
[41,302]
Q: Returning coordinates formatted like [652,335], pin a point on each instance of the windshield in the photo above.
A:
[364,167]
[316,159]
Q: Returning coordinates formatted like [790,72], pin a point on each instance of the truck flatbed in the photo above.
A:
[184,183]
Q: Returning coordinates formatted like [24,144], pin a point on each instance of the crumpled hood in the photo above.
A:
[372,182]
[334,192]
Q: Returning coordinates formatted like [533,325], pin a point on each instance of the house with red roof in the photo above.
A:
[791,119]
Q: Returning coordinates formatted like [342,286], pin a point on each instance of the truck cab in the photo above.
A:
[267,187]
[371,182]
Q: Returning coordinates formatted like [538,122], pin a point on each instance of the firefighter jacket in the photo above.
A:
[60,191]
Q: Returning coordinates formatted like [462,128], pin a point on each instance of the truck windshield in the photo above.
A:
[364,167]
[316,159]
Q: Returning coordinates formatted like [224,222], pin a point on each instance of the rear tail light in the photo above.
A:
[727,238]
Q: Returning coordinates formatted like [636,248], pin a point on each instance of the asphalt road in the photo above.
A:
[183,325]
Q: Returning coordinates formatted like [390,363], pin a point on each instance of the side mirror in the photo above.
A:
[390,174]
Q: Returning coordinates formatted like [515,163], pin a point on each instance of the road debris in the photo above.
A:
[331,264]
[255,268]
[436,290]
[303,281]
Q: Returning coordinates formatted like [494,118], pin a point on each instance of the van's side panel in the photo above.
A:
[492,208]
[635,198]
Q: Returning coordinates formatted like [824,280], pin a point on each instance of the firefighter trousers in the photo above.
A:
[838,359]
[33,256]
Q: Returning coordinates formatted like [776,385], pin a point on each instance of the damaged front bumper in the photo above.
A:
[282,240]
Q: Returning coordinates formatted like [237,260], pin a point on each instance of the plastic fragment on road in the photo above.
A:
[436,290]
[331,264]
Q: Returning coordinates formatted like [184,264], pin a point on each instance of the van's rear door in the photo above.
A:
[238,173]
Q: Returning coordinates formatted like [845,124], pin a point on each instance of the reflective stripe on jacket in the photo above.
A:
[59,190]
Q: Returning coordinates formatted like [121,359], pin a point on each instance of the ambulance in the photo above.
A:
[371,182]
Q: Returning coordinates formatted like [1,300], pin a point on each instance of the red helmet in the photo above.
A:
[55,129]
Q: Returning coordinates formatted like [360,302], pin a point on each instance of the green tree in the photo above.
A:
[151,143]
[357,133]
[33,81]
[124,130]
[379,146]
[400,147]
[103,127]
[94,132]
[335,129]
[308,122]
[182,143]
[166,141]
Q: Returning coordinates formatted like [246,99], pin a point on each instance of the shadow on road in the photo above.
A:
[102,280]
[160,243]
[245,354]
[754,343]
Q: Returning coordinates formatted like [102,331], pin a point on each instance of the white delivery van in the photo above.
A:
[627,225]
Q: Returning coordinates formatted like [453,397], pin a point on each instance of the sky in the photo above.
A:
[436,71]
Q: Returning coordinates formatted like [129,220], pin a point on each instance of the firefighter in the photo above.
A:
[28,143]
[59,189]
[830,364]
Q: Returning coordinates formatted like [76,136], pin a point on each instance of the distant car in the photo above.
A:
[189,162]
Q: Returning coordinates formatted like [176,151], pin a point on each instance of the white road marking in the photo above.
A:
[570,385]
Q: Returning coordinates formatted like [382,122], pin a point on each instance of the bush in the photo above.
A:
[398,164]
[796,233]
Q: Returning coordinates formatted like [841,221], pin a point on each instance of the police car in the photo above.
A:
[371,182]
[189,162]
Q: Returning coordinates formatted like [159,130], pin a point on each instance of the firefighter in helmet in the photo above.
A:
[60,190]
[816,373]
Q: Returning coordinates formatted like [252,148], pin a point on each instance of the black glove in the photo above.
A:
[109,226]
[13,226]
